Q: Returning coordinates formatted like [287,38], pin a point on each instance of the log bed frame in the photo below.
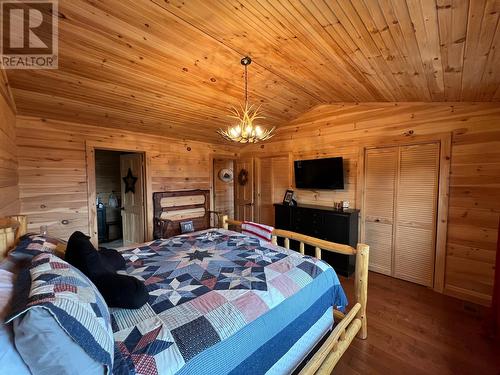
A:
[11,228]
[347,325]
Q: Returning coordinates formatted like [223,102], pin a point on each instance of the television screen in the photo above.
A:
[319,173]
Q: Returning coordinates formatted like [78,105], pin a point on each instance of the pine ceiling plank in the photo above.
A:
[345,52]
[482,24]
[410,18]
[452,20]
[348,20]
[407,48]
[311,33]
[175,53]
[413,62]
[351,21]
[423,14]
[372,17]
[237,21]
[355,57]
[271,36]
[238,30]
[491,75]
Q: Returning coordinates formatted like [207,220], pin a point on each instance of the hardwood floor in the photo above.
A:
[413,330]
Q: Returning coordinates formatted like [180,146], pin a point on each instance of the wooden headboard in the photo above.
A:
[11,228]
[173,207]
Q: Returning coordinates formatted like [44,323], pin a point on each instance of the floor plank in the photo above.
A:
[414,330]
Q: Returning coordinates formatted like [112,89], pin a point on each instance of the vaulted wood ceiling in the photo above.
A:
[171,67]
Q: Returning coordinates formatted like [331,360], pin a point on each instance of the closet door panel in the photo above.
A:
[415,219]
[414,255]
[379,236]
[380,177]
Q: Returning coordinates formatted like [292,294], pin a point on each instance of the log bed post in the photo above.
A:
[11,228]
[225,224]
[23,225]
[361,286]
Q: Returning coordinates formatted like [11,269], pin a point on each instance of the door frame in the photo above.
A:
[237,186]
[212,157]
[90,148]
[445,142]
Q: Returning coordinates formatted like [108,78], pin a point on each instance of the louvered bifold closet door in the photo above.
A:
[416,200]
[380,178]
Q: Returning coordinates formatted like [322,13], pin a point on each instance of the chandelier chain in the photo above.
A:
[246,85]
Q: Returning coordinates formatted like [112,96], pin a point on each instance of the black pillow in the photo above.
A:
[82,254]
[118,290]
[111,259]
[121,290]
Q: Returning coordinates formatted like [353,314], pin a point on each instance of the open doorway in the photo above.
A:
[223,186]
[120,203]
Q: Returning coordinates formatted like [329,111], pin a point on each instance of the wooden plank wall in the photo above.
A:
[9,191]
[343,129]
[52,168]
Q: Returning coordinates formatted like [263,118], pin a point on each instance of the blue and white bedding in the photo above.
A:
[74,304]
[222,303]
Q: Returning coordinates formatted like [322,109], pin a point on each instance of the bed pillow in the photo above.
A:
[73,305]
[31,245]
[47,349]
[10,360]
[36,243]
[122,291]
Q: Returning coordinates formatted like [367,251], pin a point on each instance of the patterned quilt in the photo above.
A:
[206,290]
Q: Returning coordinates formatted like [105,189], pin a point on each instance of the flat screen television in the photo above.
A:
[319,173]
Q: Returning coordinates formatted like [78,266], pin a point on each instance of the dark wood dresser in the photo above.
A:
[325,223]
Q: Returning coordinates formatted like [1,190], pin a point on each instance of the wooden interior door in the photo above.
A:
[133,202]
[416,210]
[381,166]
[223,191]
[244,195]
[272,182]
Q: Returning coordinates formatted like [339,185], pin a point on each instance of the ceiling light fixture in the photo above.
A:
[245,131]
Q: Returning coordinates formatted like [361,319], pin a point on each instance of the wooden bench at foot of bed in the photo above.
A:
[348,325]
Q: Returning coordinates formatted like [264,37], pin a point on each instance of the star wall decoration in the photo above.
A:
[129,181]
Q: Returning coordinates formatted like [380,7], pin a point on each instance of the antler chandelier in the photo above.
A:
[245,131]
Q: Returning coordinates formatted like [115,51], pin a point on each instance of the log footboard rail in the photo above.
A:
[349,325]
